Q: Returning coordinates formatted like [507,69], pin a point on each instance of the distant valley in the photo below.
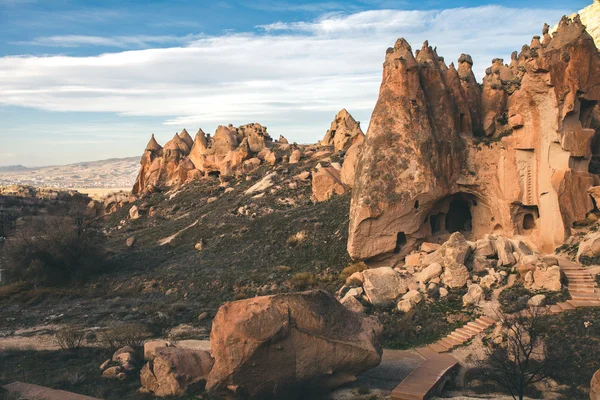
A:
[111,173]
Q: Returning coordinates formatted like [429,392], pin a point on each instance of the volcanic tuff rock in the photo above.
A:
[514,157]
[283,345]
[183,159]
[343,132]
[238,151]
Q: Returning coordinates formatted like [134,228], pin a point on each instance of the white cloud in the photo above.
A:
[292,77]
[124,42]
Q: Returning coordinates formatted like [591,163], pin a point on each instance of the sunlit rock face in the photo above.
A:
[514,156]
[183,159]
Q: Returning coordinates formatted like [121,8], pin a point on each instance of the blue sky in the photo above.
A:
[87,80]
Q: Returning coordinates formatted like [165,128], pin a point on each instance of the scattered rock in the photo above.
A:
[432,271]
[112,372]
[173,370]
[151,346]
[383,285]
[473,296]
[455,275]
[134,212]
[537,301]
[130,242]
[262,185]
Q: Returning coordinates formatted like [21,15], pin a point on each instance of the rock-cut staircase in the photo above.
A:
[430,377]
[581,285]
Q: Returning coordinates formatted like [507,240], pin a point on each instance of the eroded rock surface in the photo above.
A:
[512,157]
[284,345]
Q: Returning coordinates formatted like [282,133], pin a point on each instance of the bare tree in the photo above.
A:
[520,358]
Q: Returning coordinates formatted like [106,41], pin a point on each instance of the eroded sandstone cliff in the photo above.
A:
[515,156]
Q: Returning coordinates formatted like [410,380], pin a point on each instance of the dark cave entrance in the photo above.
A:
[459,216]
[528,221]
[400,242]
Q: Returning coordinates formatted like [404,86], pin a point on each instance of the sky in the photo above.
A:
[92,79]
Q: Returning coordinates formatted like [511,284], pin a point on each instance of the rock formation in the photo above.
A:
[514,157]
[184,159]
[343,132]
[285,345]
[590,17]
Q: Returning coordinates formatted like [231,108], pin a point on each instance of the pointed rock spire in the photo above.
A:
[153,145]
[187,139]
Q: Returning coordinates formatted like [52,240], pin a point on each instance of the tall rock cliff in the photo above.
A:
[514,157]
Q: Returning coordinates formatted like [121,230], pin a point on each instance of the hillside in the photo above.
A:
[111,173]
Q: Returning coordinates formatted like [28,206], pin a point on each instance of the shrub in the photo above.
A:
[70,338]
[119,336]
[514,298]
[296,238]
[352,268]
[54,250]
[303,280]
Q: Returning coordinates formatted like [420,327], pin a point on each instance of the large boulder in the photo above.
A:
[595,386]
[285,345]
[548,278]
[589,246]
[173,370]
[383,285]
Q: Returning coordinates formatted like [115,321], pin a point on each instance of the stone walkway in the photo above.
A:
[429,378]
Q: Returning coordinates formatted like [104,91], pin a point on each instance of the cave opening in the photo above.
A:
[400,242]
[528,221]
[585,112]
[434,223]
[459,216]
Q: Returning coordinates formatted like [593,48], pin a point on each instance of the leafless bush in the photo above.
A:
[53,250]
[519,357]
[119,336]
[70,338]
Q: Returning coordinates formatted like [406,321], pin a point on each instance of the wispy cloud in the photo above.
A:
[292,77]
[125,42]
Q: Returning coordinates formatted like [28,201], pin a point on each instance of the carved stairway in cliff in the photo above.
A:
[581,285]
[429,378]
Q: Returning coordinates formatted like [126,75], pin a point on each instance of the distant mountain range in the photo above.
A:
[111,173]
[13,168]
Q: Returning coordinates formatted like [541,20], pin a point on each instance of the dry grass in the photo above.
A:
[297,238]
[70,338]
[351,269]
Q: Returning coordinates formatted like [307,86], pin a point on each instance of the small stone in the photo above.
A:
[130,241]
[112,372]
[443,292]
[202,316]
[105,365]
[537,301]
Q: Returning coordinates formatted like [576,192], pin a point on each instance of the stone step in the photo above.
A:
[555,309]
[582,285]
[474,331]
[583,303]
[467,332]
[581,290]
[584,296]
[447,346]
[449,339]
[460,336]
[565,306]
[487,320]
[478,325]
[437,348]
